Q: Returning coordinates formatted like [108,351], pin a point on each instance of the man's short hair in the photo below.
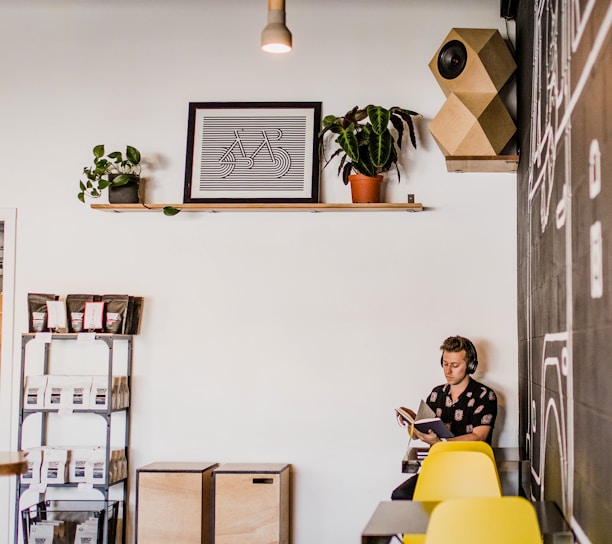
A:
[455,344]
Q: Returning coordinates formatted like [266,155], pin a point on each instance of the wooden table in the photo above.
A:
[12,463]
[397,518]
[412,517]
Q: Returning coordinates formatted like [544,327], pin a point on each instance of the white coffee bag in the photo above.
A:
[34,393]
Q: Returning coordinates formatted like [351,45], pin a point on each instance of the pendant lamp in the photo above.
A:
[276,37]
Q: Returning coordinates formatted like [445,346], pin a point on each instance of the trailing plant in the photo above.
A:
[366,143]
[113,169]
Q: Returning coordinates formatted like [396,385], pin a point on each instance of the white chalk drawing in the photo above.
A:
[558,30]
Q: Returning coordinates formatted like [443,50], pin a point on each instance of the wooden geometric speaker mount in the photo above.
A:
[471,66]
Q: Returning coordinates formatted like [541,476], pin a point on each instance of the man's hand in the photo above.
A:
[402,421]
[430,438]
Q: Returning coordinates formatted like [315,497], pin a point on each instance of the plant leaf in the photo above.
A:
[346,171]
[406,115]
[132,154]
[116,155]
[379,148]
[398,124]
[348,141]
[120,180]
[379,117]
[98,151]
[171,211]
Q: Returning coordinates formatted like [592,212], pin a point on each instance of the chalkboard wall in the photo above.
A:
[564,54]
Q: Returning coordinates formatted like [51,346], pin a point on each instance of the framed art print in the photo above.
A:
[252,152]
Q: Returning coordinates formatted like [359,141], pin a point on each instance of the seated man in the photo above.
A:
[467,407]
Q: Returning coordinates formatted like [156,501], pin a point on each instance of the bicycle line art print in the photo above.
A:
[277,161]
[252,153]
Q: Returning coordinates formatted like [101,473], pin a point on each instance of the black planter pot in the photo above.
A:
[125,194]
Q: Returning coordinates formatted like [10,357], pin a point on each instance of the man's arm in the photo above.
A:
[478,433]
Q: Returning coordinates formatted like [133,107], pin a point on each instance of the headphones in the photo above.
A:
[471,354]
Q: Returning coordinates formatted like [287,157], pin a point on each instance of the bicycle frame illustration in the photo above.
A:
[275,160]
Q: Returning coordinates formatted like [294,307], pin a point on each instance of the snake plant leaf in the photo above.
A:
[379,147]
[348,141]
[379,117]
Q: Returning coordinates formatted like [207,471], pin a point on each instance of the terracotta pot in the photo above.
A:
[130,193]
[365,189]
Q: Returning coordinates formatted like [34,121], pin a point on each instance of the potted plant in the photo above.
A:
[367,146]
[115,171]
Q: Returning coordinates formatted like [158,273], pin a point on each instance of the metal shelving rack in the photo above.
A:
[107,414]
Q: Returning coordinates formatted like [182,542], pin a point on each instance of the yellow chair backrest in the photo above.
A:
[464,445]
[457,474]
[502,520]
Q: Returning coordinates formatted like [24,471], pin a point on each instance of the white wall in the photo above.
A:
[266,337]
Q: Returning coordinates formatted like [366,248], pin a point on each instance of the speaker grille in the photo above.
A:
[452,59]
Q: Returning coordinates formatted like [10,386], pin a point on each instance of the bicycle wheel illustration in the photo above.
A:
[226,164]
[281,163]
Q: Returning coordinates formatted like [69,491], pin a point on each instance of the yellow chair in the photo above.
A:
[502,520]
[452,475]
[457,474]
[465,445]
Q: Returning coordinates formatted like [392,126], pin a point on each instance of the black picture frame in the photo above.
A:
[259,152]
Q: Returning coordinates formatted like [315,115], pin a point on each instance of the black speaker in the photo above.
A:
[508,9]
[452,59]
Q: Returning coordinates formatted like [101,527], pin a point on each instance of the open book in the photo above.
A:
[424,420]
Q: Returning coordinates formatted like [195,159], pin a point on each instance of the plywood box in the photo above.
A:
[251,503]
[174,503]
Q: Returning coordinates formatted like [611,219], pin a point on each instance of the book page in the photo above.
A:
[425,412]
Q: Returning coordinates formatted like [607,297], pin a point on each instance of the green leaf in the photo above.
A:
[171,211]
[380,147]
[120,180]
[366,168]
[103,184]
[98,151]
[348,141]
[81,197]
[116,155]
[397,122]
[346,172]
[329,120]
[132,154]
[379,117]
[407,115]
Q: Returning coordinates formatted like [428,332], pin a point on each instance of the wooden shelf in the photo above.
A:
[254,207]
[497,163]
[13,463]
